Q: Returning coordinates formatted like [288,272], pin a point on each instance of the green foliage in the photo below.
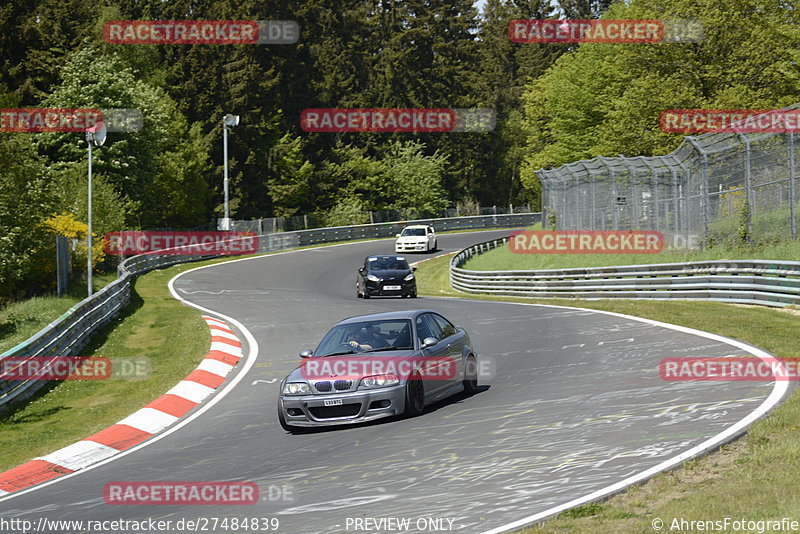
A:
[605,99]
[158,168]
[26,200]
[415,179]
[292,186]
[347,211]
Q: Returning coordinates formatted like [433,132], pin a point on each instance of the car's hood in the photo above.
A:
[398,273]
[347,365]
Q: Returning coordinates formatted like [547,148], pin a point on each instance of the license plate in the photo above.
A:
[391,288]
[332,402]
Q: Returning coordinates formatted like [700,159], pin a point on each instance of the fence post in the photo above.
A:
[792,189]
[615,194]
[676,209]
[704,183]
[748,186]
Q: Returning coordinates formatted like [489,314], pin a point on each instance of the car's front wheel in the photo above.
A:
[282,421]
[415,396]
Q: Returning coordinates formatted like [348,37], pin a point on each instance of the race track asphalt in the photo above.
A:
[575,404]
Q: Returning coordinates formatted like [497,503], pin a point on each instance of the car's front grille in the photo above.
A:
[329,412]
[341,385]
[323,387]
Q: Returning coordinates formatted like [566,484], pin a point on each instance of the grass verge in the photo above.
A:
[21,320]
[154,326]
[753,478]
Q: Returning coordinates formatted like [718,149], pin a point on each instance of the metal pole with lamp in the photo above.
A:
[94,136]
[229,121]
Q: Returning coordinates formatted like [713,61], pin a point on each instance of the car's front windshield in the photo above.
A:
[387,264]
[413,231]
[366,336]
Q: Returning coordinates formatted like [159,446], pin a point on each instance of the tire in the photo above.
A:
[282,421]
[365,294]
[413,295]
[471,376]
[415,397]
[435,245]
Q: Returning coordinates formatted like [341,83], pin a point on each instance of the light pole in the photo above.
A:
[229,121]
[94,136]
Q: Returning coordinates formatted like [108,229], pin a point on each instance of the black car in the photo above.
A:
[386,276]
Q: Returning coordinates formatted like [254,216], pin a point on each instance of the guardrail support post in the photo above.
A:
[792,189]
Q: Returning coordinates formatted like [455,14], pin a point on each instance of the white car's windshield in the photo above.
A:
[413,231]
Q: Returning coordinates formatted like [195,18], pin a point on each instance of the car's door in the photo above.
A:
[433,357]
[453,340]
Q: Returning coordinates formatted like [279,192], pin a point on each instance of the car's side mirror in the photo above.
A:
[429,342]
[413,269]
[361,269]
[305,353]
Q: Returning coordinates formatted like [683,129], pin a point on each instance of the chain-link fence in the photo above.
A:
[714,188]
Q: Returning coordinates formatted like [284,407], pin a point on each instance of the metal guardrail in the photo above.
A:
[764,282]
[70,333]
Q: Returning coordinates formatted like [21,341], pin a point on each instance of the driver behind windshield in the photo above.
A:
[368,338]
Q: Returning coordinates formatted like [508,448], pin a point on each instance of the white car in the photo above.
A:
[415,238]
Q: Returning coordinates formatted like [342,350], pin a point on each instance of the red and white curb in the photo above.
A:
[224,354]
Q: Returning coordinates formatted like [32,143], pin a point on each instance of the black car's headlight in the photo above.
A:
[379,381]
[373,278]
[296,388]
[409,277]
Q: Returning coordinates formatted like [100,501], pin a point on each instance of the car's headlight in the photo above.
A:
[408,277]
[380,381]
[373,278]
[296,388]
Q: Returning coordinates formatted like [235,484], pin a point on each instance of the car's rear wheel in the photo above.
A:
[471,376]
[415,396]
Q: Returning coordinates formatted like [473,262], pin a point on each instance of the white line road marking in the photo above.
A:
[265,381]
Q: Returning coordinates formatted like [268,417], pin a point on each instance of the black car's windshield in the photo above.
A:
[367,336]
[413,231]
[387,264]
